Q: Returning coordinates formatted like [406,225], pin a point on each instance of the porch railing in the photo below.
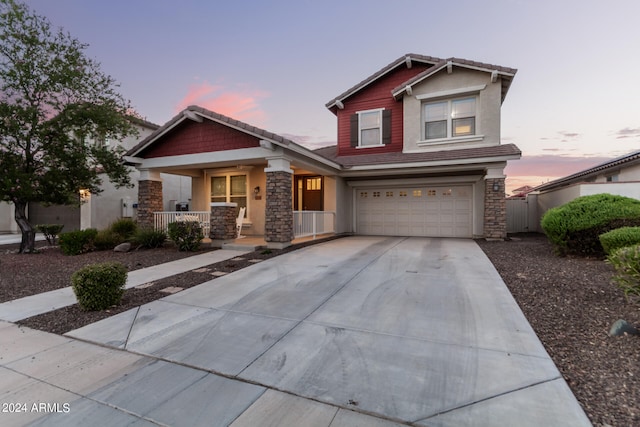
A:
[312,223]
[163,219]
[305,223]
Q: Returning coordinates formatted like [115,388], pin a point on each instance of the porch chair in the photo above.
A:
[239,223]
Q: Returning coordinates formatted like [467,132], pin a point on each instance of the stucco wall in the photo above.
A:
[254,223]
[7,221]
[488,108]
[106,207]
[551,199]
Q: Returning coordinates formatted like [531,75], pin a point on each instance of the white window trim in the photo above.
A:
[449,139]
[228,174]
[471,90]
[379,144]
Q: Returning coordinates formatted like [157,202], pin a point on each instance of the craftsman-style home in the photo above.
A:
[418,154]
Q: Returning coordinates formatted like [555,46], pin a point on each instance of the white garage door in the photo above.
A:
[442,211]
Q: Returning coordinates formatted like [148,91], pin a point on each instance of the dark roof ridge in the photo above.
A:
[384,70]
[629,157]
[509,72]
[213,116]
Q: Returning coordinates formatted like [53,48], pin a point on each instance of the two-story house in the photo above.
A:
[418,154]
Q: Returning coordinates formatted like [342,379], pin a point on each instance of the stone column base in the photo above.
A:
[495,209]
[223,222]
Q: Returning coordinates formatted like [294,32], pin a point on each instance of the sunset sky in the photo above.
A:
[574,102]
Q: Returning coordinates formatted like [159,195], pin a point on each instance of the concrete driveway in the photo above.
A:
[360,331]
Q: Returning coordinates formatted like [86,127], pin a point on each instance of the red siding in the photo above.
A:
[191,138]
[376,95]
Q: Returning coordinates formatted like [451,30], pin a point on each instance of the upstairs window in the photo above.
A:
[450,118]
[371,128]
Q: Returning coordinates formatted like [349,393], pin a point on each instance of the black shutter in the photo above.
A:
[354,130]
[386,126]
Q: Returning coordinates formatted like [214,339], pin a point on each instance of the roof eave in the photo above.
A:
[506,73]
[404,60]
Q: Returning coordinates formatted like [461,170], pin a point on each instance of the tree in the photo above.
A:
[54,100]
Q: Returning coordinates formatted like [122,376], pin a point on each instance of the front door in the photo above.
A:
[309,193]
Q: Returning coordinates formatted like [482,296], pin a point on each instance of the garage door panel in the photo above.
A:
[434,211]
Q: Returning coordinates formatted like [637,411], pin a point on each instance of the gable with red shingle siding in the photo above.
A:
[377,95]
[192,138]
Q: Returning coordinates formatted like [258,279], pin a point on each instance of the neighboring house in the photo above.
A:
[619,176]
[521,192]
[418,154]
[100,210]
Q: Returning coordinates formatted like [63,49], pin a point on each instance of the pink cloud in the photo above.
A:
[536,170]
[242,104]
[551,165]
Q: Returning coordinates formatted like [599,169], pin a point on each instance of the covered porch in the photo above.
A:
[284,190]
[307,225]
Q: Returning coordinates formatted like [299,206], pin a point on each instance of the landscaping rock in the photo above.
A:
[621,327]
[123,247]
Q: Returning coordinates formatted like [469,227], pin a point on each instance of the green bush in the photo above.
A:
[125,227]
[107,239]
[619,238]
[626,262]
[575,227]
[149,238]
[186,235]
[50,231]
[99,286]
[77,242]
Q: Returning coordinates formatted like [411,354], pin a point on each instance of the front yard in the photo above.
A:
[569,302]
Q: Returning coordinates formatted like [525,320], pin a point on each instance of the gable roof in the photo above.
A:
[192,113]
[505,73]
[627,159]
[403,60]
[437,64]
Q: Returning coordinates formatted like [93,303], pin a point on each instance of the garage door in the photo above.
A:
[442,211]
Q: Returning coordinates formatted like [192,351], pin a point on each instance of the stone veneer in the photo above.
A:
[495,209]
[223,221]
[149,201]
[278,227]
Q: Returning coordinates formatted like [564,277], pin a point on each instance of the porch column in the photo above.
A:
[223,223]
[495,205]
[278,222]
[149,197]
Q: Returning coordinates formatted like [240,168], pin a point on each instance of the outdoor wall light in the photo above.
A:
[257,190]
[496,186]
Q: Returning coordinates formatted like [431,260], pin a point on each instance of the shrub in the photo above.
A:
[107,239]
[99,286]
[77,242]
[574,227]
[50,232]
[149,238]
[186,235]
[619,238]
[626,262]
[125,227]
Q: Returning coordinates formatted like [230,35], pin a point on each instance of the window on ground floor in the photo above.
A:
[230,189]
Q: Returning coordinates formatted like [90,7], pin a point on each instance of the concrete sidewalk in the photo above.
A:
[23,308]
[360,331]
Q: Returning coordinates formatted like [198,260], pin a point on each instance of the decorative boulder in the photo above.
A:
[123,247]
[621,327]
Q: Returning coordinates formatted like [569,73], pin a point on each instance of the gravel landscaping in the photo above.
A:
[569,302]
